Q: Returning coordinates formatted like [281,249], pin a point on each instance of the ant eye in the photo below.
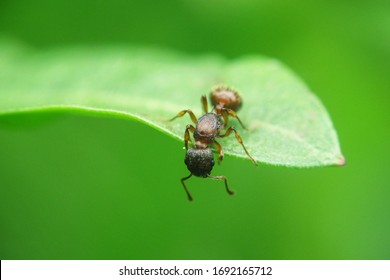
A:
[212,163]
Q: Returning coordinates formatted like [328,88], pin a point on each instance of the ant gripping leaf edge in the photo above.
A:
[200,159]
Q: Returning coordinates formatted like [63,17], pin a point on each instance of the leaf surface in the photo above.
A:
[287,123]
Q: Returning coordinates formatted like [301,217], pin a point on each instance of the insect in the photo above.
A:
[199,159]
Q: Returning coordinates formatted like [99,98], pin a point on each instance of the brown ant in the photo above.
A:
[200,159]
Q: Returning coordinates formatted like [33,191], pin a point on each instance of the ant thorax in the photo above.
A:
[207,128]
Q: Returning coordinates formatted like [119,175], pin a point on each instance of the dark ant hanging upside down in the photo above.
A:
[200,159]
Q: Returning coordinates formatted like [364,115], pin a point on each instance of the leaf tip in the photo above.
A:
[341,161]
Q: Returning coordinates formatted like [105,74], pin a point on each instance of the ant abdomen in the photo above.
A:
[199,162]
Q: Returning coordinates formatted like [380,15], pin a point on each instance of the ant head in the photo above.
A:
[199,162]
[225,97]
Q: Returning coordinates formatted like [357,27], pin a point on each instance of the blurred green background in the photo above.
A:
[78,187]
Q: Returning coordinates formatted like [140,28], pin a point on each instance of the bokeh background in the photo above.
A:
[79,187]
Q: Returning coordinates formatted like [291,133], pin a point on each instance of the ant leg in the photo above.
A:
[233,114]
[225,180]
[204,104]
[187,134]
[182,113]
[219,151]
[225,117]
[184,185]
[239,139]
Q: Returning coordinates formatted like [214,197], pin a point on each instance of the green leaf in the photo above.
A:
[287,124]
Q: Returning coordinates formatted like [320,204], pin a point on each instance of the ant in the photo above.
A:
[200,159]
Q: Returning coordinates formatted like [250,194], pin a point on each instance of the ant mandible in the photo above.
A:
[200,159]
